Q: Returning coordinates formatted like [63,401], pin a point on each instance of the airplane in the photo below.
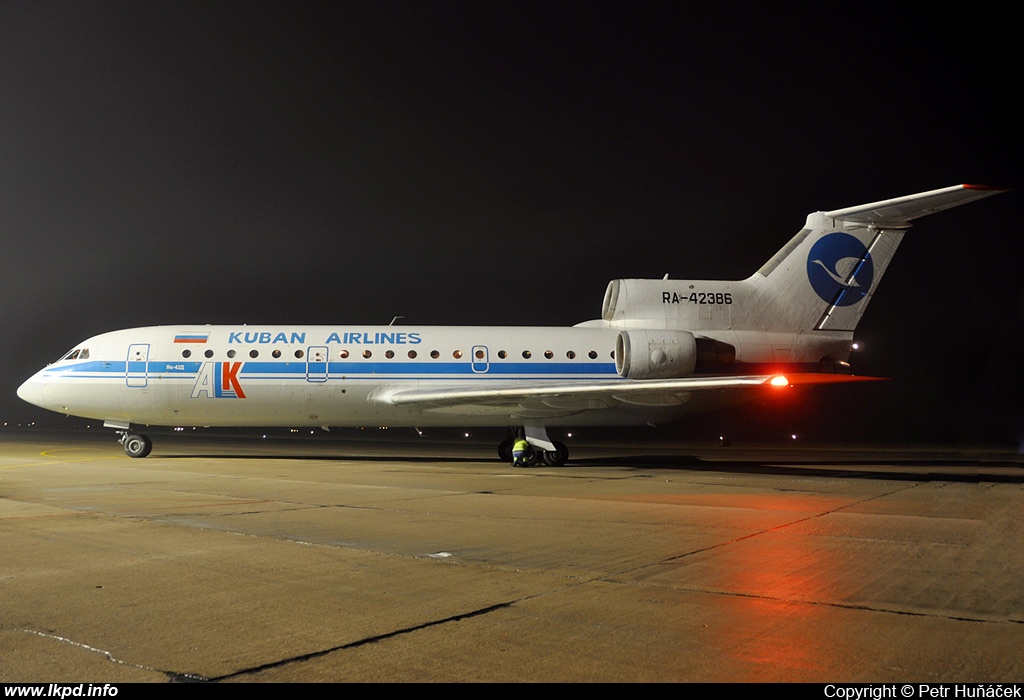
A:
[663,350]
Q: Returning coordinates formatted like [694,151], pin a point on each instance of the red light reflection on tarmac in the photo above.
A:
[775,627]
[777,639]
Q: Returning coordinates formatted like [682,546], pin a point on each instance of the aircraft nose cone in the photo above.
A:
[31,391]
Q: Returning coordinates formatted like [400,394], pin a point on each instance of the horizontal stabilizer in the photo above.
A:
[900,211]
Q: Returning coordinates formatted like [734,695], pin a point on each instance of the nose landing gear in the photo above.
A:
[135,445]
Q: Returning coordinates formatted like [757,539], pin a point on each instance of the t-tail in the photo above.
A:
[799,310]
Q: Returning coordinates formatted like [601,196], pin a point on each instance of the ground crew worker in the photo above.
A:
[519,452]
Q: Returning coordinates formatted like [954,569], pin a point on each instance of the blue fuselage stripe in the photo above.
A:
[357,369]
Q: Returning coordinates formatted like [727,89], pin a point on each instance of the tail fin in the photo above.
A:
[825,277]
[822,280]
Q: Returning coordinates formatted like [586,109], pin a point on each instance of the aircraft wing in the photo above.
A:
[898,212]
[574,397]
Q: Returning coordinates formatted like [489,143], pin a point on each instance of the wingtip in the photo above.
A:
[820,378]
[988,188]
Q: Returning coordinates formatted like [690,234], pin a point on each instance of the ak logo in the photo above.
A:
[218,380]
[840,270]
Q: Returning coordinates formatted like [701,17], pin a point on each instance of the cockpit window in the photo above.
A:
[76,354]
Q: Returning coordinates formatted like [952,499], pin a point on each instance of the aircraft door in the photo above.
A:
[481,359]
[316,363]
[136,365]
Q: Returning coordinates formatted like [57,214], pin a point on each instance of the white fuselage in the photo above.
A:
[332,376]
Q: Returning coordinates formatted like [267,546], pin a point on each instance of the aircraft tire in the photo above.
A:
[137,446]
[558,457]
[532,456]
[505,451]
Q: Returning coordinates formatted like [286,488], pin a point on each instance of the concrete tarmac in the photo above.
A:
[293,561]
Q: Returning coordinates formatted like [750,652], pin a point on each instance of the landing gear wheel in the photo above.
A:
[558,457]
[532,456]
[137,445]
[505,451]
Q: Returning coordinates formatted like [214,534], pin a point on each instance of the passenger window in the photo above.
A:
[299,354]
[412,354]
[502,354]
[367,354]
[527,354]
[457,354]
[208,353]
[276,354]
[592,355]
[389,354]
[254,354]
[548,354]
[186,353]
[435,354]
[571,355]
[479,354]
[231,353]
[343,354]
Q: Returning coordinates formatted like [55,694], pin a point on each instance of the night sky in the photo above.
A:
[499,162]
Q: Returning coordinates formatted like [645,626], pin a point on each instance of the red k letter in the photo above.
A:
[229,378]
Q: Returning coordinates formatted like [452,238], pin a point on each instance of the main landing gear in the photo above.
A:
[540,448]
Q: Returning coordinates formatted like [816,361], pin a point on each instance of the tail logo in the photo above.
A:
[840,270]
